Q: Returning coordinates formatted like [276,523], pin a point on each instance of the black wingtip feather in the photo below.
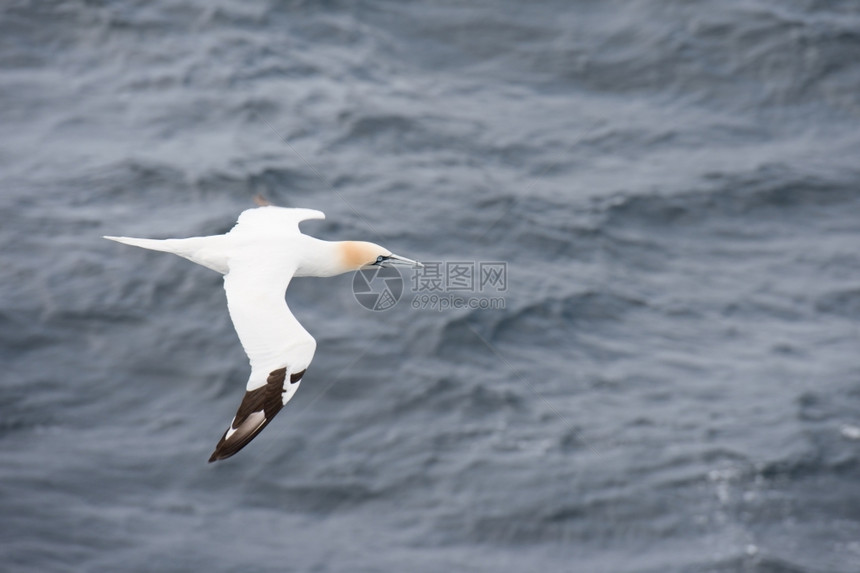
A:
[264,402]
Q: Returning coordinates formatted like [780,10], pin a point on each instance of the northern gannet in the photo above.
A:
[258,257]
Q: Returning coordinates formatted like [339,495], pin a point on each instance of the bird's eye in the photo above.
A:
[380,258]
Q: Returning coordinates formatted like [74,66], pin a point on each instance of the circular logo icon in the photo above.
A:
[377,288]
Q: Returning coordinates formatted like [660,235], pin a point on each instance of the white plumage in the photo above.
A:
[258,258]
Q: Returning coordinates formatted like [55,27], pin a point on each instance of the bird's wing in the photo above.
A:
[279,348]
[279,220]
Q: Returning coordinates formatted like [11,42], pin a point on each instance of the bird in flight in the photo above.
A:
[258,257]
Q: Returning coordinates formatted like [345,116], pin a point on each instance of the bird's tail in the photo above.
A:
[163,245]
[206,251]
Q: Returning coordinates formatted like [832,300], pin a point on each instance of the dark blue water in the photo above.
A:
[672,385]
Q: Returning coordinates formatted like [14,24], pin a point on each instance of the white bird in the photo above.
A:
[258,257]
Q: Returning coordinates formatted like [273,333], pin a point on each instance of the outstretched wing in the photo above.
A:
[278,347]
[261,220]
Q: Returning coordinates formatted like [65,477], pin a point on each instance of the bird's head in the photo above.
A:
[361,254]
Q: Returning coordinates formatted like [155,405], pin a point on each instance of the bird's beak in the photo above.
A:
[395,260]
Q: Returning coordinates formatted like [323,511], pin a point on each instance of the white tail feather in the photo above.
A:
[163,245]
[206,251]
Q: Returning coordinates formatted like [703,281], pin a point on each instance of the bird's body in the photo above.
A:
[258,258]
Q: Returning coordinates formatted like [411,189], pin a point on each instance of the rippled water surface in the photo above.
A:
[673,384]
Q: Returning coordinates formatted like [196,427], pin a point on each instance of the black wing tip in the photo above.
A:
[221,453]
[263,404]
[228,447]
